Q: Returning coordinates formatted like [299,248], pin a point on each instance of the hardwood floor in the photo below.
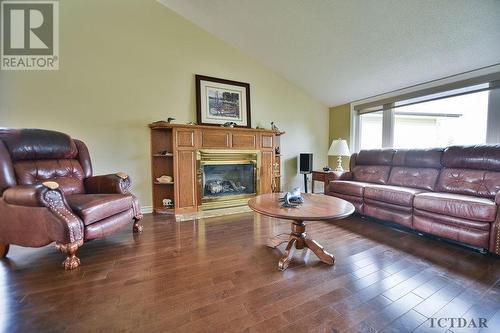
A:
[217,275]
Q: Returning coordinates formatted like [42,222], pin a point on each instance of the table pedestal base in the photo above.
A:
[298,239]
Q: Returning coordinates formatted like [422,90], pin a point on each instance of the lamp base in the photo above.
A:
[339,164]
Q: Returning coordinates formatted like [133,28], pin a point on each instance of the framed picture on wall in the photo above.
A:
[219,101]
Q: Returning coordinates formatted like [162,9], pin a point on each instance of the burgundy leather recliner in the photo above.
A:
[48,194]
[451,192]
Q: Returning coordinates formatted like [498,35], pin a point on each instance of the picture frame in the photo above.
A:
[219,101]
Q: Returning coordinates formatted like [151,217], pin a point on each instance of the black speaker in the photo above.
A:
[306,163]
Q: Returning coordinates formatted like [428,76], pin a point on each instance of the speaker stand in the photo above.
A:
[305,183]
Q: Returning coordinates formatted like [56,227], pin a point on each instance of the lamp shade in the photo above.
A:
[339,148]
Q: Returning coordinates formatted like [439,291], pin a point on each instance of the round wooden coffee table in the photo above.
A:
[316,207]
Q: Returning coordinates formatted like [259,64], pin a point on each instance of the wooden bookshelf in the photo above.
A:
[162,164]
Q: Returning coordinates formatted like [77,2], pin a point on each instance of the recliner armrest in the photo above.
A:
[118,183]
[28,195]
[48,196]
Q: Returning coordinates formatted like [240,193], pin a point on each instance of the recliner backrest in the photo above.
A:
[31,156]
[470,170]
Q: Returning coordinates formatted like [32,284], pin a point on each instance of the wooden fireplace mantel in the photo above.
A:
[173,153]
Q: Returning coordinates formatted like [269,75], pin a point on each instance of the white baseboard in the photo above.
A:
[146,209]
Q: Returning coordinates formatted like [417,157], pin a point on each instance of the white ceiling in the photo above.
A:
[344,50]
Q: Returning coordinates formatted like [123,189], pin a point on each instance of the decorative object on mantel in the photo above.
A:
[159,123]
[229,124]
[292,199]
[277,150]
[192,123]
[165,179]
[168,203]
[275,129]
[339,148]
[219,101]
[326,168]
[170,119]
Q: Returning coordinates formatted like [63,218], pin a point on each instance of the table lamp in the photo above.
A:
[339,148]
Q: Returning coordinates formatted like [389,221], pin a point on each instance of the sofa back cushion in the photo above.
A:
[372,166]
[40,155]
[417,168]
[479,183]
[471,170]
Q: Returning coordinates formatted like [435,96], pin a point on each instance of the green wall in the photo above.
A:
[340,127]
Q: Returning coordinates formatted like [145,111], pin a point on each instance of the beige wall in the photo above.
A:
[340,127]
[126,63]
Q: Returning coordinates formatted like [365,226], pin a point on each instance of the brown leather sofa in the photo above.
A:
[451,193]
[48,194]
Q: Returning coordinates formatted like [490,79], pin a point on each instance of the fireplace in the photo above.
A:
[227,178]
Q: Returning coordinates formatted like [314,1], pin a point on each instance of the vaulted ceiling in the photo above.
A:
[344,50]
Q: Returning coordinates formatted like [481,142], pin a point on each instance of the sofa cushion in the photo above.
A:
[423,178]
[95,207]
[378,174]
[375,157]
[479,183]
[348,187]
[391,194]
[418,158]
[457,205]
[478,157]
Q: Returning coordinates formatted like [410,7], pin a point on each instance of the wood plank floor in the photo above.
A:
[217,275]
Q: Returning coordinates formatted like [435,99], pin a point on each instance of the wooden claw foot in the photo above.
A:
[71,261]
[137,228]
[320,252]
[4,249]
[287,255]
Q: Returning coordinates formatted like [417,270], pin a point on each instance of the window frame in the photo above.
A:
[491,76]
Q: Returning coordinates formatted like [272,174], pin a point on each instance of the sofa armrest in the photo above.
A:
[339,175]
[47,195]
[118,183]
[336,175]
[497,198]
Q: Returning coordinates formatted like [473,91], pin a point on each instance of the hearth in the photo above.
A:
[227,178]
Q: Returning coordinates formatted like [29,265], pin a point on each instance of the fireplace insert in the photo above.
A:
[227,178]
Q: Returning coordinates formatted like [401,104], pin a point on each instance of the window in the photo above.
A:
[460,116]
[370,130]
[459,120]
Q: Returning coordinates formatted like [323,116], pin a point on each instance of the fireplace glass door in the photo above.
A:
[226,178]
